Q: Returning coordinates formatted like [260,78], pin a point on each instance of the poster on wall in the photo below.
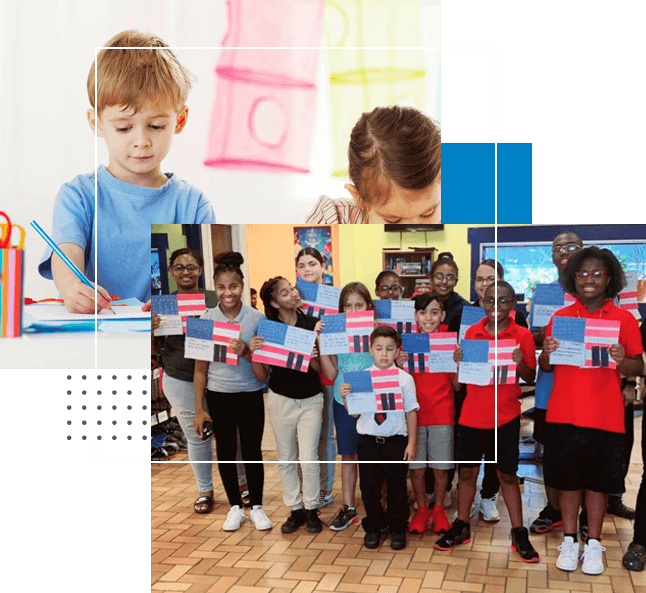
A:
[155,280]
[320,238]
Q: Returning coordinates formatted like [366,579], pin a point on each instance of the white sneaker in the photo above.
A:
[592,557]
[235,518]
[260,519]
[448,499]
[489,508]
[569,556]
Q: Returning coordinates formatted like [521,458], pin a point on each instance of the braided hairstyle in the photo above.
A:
[267,294]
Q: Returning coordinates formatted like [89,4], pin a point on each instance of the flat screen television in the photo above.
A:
[412,228]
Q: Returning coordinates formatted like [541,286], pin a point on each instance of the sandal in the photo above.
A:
[203,505]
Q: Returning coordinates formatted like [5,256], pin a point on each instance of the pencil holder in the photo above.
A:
[12,258]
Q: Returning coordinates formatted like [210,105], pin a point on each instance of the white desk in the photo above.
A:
[76,350]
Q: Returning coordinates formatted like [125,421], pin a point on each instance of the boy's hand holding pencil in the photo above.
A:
[79,298]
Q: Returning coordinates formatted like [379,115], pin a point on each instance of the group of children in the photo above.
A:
[584,443]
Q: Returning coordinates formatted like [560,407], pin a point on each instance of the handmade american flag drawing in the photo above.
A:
[285,346]
[584,342]
[210,340]
[478,365]
[547,300]
[175,308]
[628,296]
[399,315]
[374,391]
[345,333]
[318,299]
[430,353]
[470,316]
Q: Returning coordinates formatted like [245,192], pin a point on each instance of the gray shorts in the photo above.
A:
[434,447]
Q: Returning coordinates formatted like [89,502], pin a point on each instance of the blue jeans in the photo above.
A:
[327,446]
[181,396]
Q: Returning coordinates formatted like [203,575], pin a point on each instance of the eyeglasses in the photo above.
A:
[450,278]
[489,279]
[570,247]
[179,268]
[394,288]
[502,301]
[595,275]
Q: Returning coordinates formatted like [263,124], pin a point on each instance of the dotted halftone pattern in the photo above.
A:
[110,411]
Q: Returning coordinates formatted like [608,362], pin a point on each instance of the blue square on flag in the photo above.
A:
[549,294]
[383,309]
[307,290]
[475,351]
[333,323]
[272,331]
[415,343]
[164,304]
[568,329]
[199,328]
[360,380]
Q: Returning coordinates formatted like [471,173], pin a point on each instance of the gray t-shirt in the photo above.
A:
[227,378]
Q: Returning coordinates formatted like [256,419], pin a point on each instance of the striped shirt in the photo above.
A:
[341,211]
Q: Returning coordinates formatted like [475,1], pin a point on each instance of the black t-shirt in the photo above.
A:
[173,359]
[294,384]
[453,307]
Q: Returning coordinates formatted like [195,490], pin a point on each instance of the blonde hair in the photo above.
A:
[130,77]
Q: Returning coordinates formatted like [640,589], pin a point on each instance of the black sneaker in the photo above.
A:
[294,521]
[347,516]
[459,533]
[617,508]
[547,519]
[314,524]
[372,538]
[521,544]
[397,540]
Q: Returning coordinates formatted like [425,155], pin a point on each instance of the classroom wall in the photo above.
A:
[271,253]
[361,246]
[270,250]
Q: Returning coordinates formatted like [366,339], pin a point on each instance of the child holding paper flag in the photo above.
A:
[584,445]
[434,421]
[477,422]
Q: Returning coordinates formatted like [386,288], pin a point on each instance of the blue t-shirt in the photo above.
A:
[122,237]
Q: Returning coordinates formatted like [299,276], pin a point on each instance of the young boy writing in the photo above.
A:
[477,423]
[434,424]
[140,105]
[386,436]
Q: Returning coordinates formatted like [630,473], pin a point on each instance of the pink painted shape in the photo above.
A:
[284,77]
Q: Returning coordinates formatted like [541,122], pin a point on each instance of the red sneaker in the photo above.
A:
[421,520]
[440,520]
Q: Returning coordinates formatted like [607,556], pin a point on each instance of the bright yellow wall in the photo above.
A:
[362,244]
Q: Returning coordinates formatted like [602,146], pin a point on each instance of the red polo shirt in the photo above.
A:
[591,398]
[479,405]
[435,398]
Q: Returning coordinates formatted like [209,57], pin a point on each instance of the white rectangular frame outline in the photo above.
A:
[96,257]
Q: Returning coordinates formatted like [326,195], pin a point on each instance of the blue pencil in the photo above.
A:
[68,262]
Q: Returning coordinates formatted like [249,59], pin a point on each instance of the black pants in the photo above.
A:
[372,477]
[245,412]
[640,518]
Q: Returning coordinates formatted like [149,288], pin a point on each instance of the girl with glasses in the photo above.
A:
[584,448]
